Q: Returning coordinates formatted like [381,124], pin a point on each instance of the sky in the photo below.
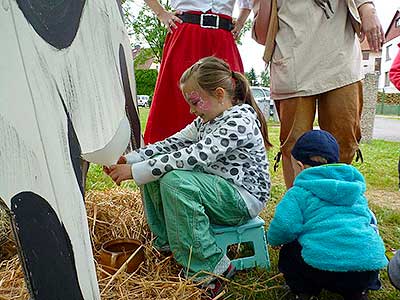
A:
[252,52]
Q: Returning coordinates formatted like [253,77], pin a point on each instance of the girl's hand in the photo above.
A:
[120,172]
[371,27]
[121,160]
[237,28]
[169,19]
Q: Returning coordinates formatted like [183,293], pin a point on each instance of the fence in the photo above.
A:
[387,109]
[387,104]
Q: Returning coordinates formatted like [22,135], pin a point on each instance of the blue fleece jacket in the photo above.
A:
[327,212]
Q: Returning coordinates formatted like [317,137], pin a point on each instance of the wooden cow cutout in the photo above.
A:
[66,92]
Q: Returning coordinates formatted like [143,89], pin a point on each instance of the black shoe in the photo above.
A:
[356,296]
[305,297]
[164,250]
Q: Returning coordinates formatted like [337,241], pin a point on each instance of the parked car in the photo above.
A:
[143,100]
[262,96]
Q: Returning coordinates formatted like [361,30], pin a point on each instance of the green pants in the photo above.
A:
[179,209]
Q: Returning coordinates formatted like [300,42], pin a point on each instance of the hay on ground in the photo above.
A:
[117,213]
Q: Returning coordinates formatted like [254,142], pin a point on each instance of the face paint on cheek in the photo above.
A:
[193,97]
[204,105]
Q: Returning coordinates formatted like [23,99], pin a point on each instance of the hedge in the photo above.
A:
[389,98]
[145,81]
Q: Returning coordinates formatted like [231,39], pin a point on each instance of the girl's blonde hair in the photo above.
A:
[210,73]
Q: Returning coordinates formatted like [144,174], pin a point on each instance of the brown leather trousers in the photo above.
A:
[339,112]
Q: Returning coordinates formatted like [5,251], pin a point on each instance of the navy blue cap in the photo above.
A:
[316,143]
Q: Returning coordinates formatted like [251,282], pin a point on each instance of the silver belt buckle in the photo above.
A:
[209,26]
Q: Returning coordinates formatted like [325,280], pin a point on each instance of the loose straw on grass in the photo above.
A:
[118,213]
[122,268]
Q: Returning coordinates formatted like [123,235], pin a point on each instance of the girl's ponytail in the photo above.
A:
[243,94]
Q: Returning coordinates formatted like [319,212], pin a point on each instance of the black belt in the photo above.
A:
[207,21]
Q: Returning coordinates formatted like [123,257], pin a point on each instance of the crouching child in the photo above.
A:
[323,225]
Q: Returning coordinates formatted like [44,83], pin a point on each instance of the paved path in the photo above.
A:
[386,128]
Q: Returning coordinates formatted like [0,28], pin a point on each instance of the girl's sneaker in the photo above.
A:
[215,286]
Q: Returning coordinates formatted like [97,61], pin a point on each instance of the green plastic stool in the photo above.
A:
[252,231]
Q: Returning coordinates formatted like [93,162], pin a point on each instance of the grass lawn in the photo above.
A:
[380,170]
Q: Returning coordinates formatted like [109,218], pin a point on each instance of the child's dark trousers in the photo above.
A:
[304,279]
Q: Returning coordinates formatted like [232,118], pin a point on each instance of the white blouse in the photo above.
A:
[217,6]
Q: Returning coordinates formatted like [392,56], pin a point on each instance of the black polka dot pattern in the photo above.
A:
[192,160]
[156,172]
[149,152]
[230,146]
[203,156]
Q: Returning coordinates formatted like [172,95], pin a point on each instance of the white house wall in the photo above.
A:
[368,66]
[55,105]
[386,64]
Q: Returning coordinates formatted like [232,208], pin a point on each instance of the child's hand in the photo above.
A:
[121,160]
[120,172]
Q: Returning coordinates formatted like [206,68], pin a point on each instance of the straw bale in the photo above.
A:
[7,243]
[116,213]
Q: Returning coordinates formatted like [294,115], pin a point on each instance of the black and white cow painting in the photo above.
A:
[66,94]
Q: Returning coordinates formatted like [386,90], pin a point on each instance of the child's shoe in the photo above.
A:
[305,297]
[357,296]
[215,286]
[165,250]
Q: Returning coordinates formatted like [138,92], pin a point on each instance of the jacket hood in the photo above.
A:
[338,184]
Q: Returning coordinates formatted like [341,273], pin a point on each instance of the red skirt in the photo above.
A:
[169,111]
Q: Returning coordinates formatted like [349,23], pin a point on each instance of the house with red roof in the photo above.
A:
[389,52]
[371,61]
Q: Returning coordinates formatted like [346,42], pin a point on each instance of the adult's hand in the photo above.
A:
[169,19]
[238,25]
[371,26]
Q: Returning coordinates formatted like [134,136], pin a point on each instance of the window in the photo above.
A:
[387,80]
[365,55]
[398,22]
[378,64]
[388,52]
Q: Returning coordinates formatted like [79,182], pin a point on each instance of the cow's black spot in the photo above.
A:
[47,251]
[57,22]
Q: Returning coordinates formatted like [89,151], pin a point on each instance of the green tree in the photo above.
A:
[143,56]
[146,81]
[251,77]
[147,29]
[265,79]
[246,27]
